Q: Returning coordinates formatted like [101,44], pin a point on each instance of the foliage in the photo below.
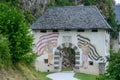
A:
[106,7]
[16,29]
[111,20]
[32,9]
[70,54]
[13,2]
[85,76]
[89,2]
[29,17]
[61,3]
[113,71]
[5,57]
[28,58]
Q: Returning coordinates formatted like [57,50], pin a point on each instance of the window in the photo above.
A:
[48,70]
[81,30]
[55,30]
[90,62]
[94,30]
[43,31]
[45,60]
[67,30]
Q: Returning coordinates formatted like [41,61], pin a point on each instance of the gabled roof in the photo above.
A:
[117,12]
[71,17]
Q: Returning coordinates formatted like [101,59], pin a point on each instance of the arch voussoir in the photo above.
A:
[57,55]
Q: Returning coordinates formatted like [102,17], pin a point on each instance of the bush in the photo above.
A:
[28,58]
[14,26]
[5,57]
[113,71]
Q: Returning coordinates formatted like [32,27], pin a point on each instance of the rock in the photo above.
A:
[34,6]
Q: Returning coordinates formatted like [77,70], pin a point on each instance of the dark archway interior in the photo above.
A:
[68,61]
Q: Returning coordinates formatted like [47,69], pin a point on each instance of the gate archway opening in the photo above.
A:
[59,53]
[68,59]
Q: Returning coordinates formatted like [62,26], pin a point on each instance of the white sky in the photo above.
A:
[117,1]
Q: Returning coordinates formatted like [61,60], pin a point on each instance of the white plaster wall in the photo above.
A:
[73,35]
[115,45]
[91,69]
[107,43]
[98,39]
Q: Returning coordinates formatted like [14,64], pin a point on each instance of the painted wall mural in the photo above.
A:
[46,45]
[88,50]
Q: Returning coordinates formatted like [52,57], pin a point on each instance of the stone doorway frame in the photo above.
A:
[58,52]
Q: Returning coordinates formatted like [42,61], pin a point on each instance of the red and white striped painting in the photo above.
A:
[44,41]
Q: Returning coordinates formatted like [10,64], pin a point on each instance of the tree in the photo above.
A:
[61,3]
[15,28]
[89,2]
[111,19]
[107,10]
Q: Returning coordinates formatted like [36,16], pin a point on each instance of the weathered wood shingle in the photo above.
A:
[71,17]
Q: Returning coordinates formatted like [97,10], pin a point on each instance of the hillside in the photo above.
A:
[21,72]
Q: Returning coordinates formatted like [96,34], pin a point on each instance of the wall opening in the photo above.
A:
[46,61]
[68,60]
[94,30]
[81,30]
[91,63]
[43,31]
[59,55]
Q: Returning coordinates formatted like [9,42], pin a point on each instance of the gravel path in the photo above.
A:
[66,75]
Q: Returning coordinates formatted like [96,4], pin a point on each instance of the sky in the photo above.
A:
[117,1]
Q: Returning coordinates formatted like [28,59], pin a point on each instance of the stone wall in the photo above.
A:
[115,44]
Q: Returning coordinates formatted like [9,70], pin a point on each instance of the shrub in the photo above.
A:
[113,71]
[5,57]
[14,26]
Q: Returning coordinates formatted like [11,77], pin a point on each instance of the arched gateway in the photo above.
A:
[58,53]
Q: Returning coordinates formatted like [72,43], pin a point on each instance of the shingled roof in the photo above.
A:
[117,12]
[71,17]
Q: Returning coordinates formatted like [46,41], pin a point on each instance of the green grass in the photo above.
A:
[43,75]
[67,69]
[85,76]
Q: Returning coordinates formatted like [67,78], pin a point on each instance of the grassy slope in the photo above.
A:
[21,72]
[85,76]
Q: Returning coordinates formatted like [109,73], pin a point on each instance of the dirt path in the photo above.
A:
[66,75]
